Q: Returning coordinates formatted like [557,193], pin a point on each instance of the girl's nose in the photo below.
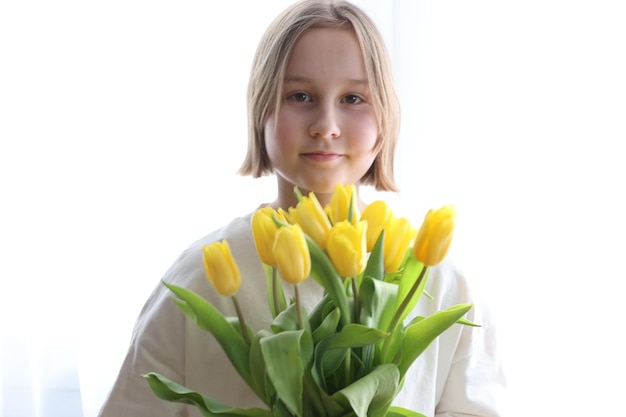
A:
[325,124]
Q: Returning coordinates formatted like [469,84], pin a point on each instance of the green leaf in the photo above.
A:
[466,322]
[286,320]
[208,318]
[280,410]
[403,412]
[287,355]
[316,403]
[320,311]
[328,327]
[375,267]
[410,275]
[330,352]
[368,395]
[325,274]
[257,367]
[169,390]
[420,333]
[375,297]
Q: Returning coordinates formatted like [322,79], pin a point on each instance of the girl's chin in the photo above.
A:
[317,183]
[319,187]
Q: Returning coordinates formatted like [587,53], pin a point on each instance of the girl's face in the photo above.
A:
[325,130]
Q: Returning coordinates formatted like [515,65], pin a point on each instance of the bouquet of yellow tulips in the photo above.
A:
[349,355]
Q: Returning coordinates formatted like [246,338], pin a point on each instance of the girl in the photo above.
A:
[322,111]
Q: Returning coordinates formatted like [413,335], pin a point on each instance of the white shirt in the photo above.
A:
[459,373]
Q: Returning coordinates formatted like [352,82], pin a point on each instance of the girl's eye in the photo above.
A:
[300,97]
[352,99]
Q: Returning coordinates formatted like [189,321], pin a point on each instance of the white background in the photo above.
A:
[122,124]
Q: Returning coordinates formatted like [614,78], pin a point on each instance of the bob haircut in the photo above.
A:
[268,71]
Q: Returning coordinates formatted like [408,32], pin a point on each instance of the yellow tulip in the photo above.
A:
[292,254]
[344,198]
[434,237]
[312,218]
[377,214]
[264,232]
[399,234]
[347,248]
[283,214]
[221,268]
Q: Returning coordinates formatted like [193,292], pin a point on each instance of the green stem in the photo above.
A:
[368,350]
[407,300]
[275,290]
[347,368]
[357,314]
[300,321]
[242,322]
[355,300]
[298,193]
[400,312]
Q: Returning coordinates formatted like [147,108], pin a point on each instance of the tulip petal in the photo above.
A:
[376,214]
[221,269]
[347,249]
[343,204]
[434,237]
[312,218]
[292,254]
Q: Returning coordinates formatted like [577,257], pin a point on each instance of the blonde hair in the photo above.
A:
[268,70]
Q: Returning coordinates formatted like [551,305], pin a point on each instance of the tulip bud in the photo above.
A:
[283,214]
[264,232]
[292,254]
[312,218]
[434,237]
[343,201]
[399,234]
[347,248]
[221,268]
[377,214]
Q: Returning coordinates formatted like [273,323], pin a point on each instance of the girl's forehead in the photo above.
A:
[326,53]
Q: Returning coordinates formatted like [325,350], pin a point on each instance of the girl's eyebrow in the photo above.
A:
[299,79]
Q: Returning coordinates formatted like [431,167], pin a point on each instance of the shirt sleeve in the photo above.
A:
[475,384]
[155,347]
[165,341]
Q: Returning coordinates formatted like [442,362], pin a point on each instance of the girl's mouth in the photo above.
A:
[321,156]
